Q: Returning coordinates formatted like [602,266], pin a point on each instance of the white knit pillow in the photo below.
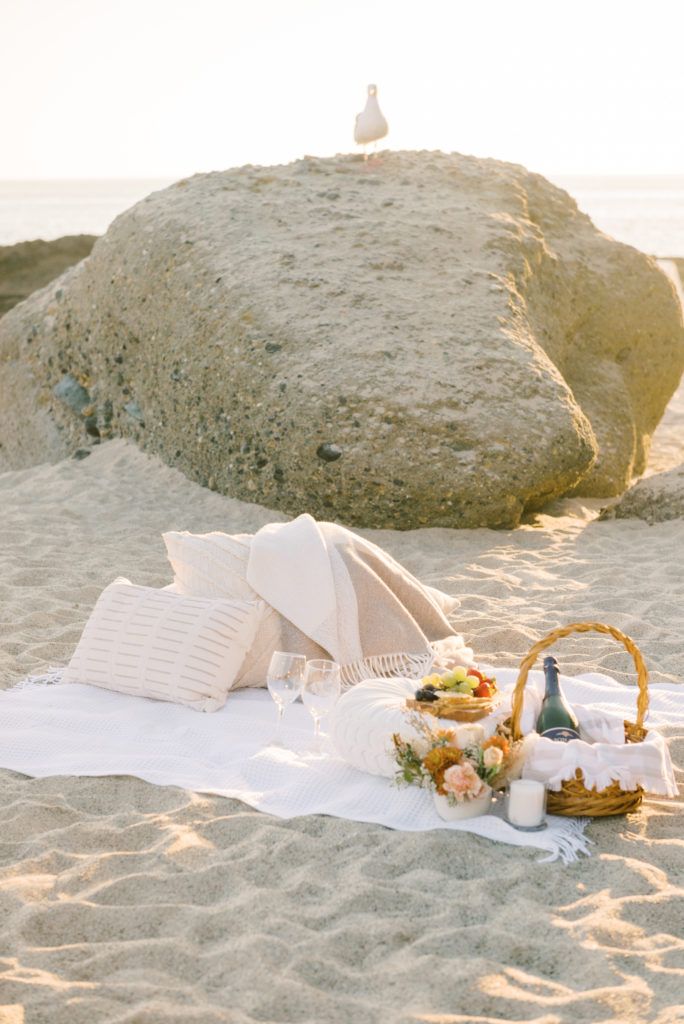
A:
[155,643]
[210,564]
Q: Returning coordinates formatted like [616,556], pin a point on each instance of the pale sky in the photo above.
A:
[165,88]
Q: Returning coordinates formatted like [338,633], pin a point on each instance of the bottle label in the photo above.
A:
[562,734]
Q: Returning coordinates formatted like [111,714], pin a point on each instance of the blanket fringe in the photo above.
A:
[52,677]
[378,666]
[571,842]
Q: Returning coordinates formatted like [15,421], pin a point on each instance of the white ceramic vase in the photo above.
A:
[468,809]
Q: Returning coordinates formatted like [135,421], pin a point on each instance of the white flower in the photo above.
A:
[492,757]
[421,745]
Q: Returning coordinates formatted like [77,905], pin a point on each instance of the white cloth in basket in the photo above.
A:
[602,754]
[646,764]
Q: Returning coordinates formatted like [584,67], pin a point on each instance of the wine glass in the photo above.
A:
[320,693]
[285,677]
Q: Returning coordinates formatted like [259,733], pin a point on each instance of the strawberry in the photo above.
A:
[482,690]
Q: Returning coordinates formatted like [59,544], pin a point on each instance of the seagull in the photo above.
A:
[370,124]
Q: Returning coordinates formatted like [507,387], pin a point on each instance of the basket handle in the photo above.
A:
[557,634]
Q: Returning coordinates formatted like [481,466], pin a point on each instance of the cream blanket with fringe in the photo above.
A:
[354,601]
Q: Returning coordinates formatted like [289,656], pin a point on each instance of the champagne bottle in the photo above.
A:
[557,720]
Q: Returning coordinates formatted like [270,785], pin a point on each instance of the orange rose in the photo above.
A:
[437,762]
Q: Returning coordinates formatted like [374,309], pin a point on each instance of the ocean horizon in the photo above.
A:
[644,211]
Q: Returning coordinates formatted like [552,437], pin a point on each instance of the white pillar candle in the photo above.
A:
[469,735]
[526,798]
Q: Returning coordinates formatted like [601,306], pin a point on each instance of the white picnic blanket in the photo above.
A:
[71,729]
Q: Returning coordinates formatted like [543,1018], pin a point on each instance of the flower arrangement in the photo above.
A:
[434,761]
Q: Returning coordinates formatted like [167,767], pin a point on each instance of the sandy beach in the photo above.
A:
[125,902]
[412,270]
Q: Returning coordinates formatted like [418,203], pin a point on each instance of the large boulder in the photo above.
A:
[425,339]
[656,499]
[679,264]
[27,266]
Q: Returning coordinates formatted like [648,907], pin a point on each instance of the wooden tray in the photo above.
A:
[457,708]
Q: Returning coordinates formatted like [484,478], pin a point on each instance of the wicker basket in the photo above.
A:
[457,709]
[574,798]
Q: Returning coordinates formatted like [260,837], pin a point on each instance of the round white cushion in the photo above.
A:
[364,719]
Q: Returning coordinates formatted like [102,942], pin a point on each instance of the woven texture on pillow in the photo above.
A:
[210,564]
[156,643]
[215,565]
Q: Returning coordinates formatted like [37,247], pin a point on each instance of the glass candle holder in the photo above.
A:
[525,805]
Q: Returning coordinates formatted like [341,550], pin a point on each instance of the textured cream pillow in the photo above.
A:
[210,564]
[215,565]
[156,643]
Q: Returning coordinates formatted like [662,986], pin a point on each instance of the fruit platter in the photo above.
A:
[462,695]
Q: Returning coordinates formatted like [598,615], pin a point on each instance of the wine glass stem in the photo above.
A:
[317,733]
[281,712]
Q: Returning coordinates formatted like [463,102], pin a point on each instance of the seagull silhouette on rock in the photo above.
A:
[370,124]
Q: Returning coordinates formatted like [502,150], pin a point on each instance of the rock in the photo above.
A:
[679,263]
[135,412]
[73,394]
[30,265]
[91,427]
[329,452]
[493,349]
[655,499]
